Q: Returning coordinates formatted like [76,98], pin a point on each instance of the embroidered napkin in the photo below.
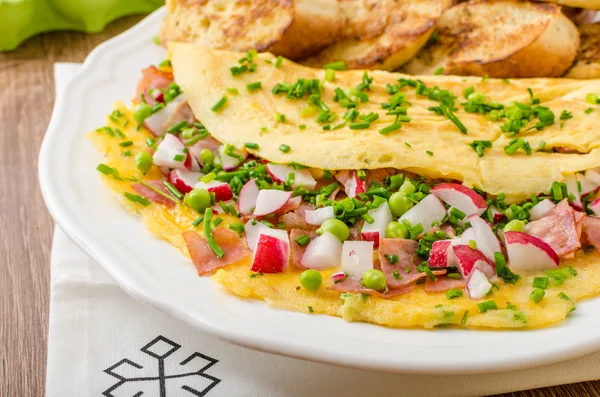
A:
[103,342]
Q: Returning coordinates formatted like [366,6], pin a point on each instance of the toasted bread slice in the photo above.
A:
[588,60]
[381,34]
[586,4]
[294,29]
[500,39]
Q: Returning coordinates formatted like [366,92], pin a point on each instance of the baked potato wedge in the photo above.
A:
[291,28]
[381,34]
[587,65]
[501,39]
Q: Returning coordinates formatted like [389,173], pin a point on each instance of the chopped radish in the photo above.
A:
[184,181]
[470,259]
[272,254]
[323,252]
[166,152]
[157,95]
[318,216]
[497,215]
[527,253]
[429,210]
[375,231]
[191,162]
[247,197]
[253,232]
[222,190]
[231,162]
[486,239]
[467,236]
[478,285]
[442,255]
[357,257]
[338,276]
[156,122]
[269,201]
[460,197]
[354,185]
[571,183]
[593,176]
[540,209]
[595,207]
[279,173]
[587,186]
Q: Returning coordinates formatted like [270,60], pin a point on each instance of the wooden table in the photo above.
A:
[25,106]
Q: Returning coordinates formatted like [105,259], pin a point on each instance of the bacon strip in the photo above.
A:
[295,218]
[205,259]
[151,195]
[443,284]
[351,285]
[591,228]
[560,228]
[152,79]
[297,251]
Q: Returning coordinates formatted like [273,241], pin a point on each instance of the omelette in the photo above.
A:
[372,196]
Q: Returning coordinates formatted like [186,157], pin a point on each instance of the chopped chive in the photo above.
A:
[237,227]
[219,105]
[455,276]
[302,126]
[330,75]
[302,240]
[396,275]
[464,318]
[393,259]
[251,145]
[429,152]
[438,71]
[279,117]
[178,127]
[390,128]
[233,91]
[407,144]
[341,65]
[278,61]
[284,148]
[564,296]
[105,169]
[137,199]
[198,221]
[588,110]
[359,126]
[253,275]
[127,153]
[454,293]
[212,243]
[487,305]
[179,157]
[473,244]
[253,86]
[173,190]
[208,177]
[540,282]
[119,133]
[310,309]
[368,218]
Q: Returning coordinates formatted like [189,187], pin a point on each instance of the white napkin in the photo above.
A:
[103,342]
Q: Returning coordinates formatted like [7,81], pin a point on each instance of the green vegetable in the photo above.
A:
[540,282]
[407,187]
[537,295]
[219,104]
[515,226]
[143,161]
[311,279]
[399,204]
[487,305]
[454,293]
[341,65]
[212,243]
[207,157]
[374,279]
[335,227]
[396,230]
[141,112]
[198,199]
[284,148]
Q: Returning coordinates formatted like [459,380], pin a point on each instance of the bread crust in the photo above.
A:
[587,65]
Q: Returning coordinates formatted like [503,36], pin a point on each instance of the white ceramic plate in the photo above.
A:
[152,271]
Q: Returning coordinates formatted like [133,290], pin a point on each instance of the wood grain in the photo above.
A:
[26,228]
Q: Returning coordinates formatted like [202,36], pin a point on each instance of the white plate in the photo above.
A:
[152,271]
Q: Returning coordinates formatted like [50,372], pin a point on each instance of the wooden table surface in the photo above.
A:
[26,227]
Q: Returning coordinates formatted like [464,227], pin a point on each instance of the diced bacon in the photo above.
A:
[352,285]
[209,143]
[295,219]
[151,195]
[355,230]
[591,228]
[560,228]
[443,284]
[296,250]
[291,205]
[182,112]
[379,175]
[152,79]
[407,263]
[205,259]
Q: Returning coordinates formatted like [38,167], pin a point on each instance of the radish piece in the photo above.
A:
[442,255]
[272,254]
[593,176]
[253,232]
[497,215]
[571,183]
[595,207]
[269,201]
[460,197]
[375,231]
[429,210]
[467,236]
[354,185]
[318,216]
[478,285]
[156,122]
[184,181]
[158,95]
[279,173]
[167,150]
[357,257]
[587,186]
[528,253]
[485,237]
[322,253]
[339,276]
[222,190]
[470,259]
[229,162]
[191,162]
[540,209]
[247,197]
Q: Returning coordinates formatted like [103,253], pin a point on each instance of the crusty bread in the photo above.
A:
[588,60]
[291,28]
[500,39]
[587,4]
[381,34]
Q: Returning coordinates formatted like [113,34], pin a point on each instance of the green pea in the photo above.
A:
[207,157]
[198,199]
[311,279]
[143,161]
[335,227]
[399,204]
[407,187]
[374,279]
[515,226]
[537,295]
[141,112]
[396,230]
